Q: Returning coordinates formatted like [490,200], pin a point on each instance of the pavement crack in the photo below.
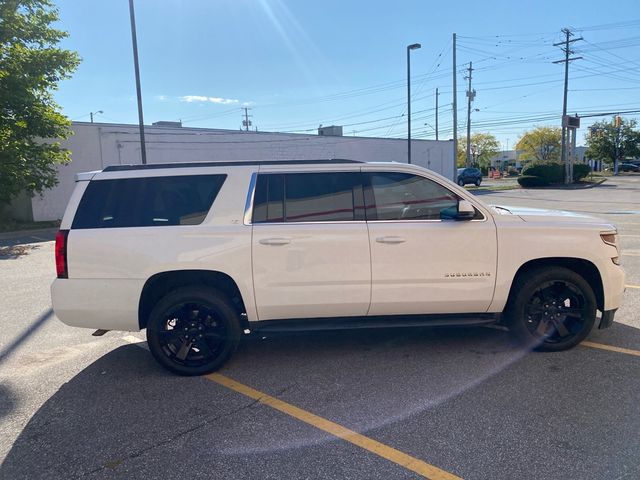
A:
[112,464]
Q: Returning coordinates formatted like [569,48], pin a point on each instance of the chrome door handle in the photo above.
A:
[275,241]
[390,239]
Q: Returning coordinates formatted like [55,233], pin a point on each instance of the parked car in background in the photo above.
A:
[469,175]
[629,167]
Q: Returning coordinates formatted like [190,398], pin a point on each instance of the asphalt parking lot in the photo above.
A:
[386,403]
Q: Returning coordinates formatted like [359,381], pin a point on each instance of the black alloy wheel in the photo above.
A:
[553,309]
[193,331]
[461,182]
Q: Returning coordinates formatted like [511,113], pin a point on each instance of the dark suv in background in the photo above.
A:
[469,175]
[629,167]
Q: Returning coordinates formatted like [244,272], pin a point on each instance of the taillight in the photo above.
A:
[61,253]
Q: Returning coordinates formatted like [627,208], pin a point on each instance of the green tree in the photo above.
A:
[605,140]
[541,145]
[31,65]
[484,147]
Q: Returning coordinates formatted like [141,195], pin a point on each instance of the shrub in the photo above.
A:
[528,181]
[550,172]
[580,170]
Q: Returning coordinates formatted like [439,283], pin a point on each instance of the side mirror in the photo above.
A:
[465,210]
[462,211]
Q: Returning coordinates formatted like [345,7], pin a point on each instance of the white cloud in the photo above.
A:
[162,98]
[201,98]
[223,101]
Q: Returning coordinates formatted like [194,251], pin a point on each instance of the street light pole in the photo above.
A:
[91,114]
[413,46]
[134,41]
[436,114]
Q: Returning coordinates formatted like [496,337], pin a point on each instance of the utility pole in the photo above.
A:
[567,52]
[471,94]
[413,46]
[455,113]
[134,42]
[437,114]
[246,123]
[617,122]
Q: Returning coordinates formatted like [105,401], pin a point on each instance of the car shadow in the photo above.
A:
[124,408]
[7,401]
[13,252]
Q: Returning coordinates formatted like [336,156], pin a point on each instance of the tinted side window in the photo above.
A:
[147,202]
[403,196]
[308,197]
[268,200]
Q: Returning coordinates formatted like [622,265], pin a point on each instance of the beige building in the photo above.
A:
[97,145]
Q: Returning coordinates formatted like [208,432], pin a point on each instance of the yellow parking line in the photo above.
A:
[629,236]
[410,463]
[632,286]
[611,348]
[630,254]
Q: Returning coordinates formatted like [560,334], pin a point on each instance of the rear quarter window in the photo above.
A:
[147,202]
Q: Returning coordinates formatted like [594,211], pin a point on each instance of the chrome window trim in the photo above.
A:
[326,222]
[448,220]
[248,206]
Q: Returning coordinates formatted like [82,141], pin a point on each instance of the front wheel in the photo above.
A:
[193,330]
[478,181]
[461,182]
[552,309]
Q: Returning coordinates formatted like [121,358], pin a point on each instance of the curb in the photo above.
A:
[26,233]
[573,186]
[583,187]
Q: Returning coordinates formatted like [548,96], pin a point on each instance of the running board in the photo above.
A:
[348,323]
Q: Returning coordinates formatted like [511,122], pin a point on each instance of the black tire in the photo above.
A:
[461,182]
[193,330]
[551,309]
[478,182]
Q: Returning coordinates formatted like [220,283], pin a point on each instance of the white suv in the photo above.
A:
[198,253]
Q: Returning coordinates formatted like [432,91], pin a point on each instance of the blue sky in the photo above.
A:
[298,64]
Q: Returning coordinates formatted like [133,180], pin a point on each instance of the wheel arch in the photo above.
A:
[158,285]
[582,267]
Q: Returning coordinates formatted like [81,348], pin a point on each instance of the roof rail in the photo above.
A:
[153,166]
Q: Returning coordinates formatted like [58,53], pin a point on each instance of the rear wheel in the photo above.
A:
[552,309]
[193,330]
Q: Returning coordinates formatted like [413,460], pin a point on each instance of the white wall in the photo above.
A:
[97,145]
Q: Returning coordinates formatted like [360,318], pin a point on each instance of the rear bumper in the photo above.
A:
[110,304]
